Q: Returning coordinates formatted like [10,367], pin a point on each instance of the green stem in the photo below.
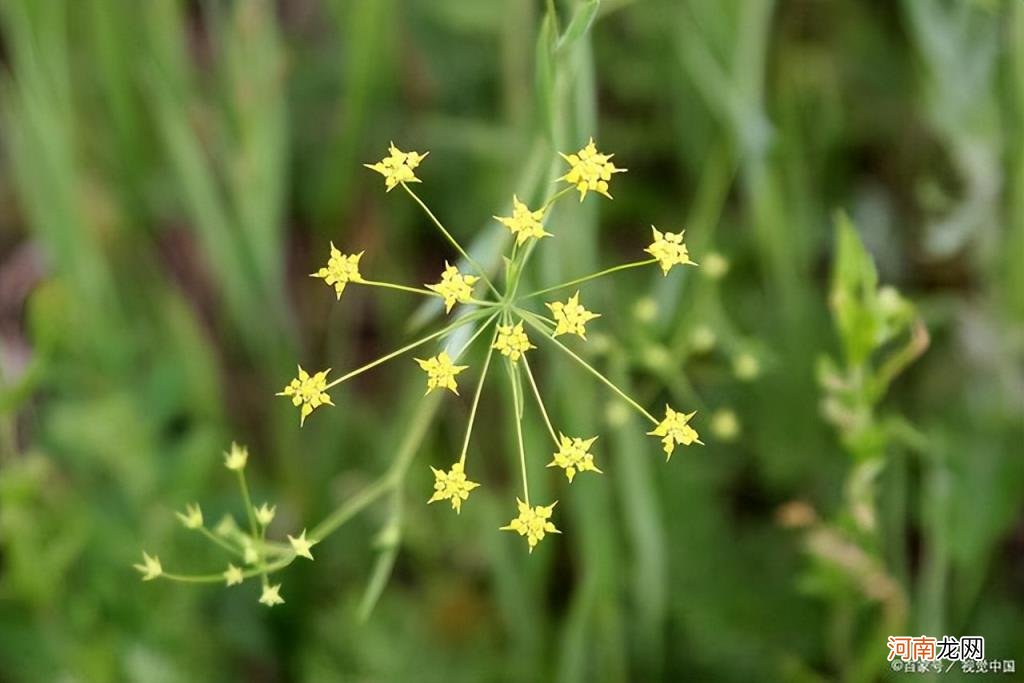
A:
[531,321]
[408,347]
[386,482]
[476,399]
[248,502]
[476,334]
[555,197]
[540,401]
[593,276]
[352,507]
[519,433]
[418,290]
[458,247]
[261,558]
[219,541]
[546,319]
[520,257]
[219,578]
[267,547]
[401,288]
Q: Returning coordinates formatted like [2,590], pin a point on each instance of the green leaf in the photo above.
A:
[854,293]
[545,77]
[578,25]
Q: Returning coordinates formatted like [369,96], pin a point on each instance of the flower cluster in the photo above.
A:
[524,223]
[512,341]
[589,171]
[571,317]
[573,455]
[340,270]
[258,556]
[398,167]
[441,372]
[477,308]
[308,392]
[533,522]
[669,250]
[675,429]
[452,486]
[454,287]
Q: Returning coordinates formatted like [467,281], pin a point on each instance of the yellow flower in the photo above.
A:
[454,286]
[452,485]
[523,223]
[669,249]
[236,458]
[398,166]
[573,456]
[589,170]
[340,270]
[265,514]
[674,429]
[533,522]
[192,518]
[308,391]
[301,546]
[150,567]
[571,317]
[233,575]
[271,595]
[512,341]
[441,372]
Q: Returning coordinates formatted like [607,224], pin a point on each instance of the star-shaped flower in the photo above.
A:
[523,222]
[192,517]
[398,166]
[589,170]
[271,595]
[265,514]
[454,287]
[512,341]
[301,546]
[571,317]
[574,456]
[150,567]
[308,391]
[441,372]
[340,270]
[236,458]
[669,249]
[233,575]
[533,522]
[674,429]
[452,486]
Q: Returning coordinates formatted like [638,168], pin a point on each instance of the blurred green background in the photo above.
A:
[171,171]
